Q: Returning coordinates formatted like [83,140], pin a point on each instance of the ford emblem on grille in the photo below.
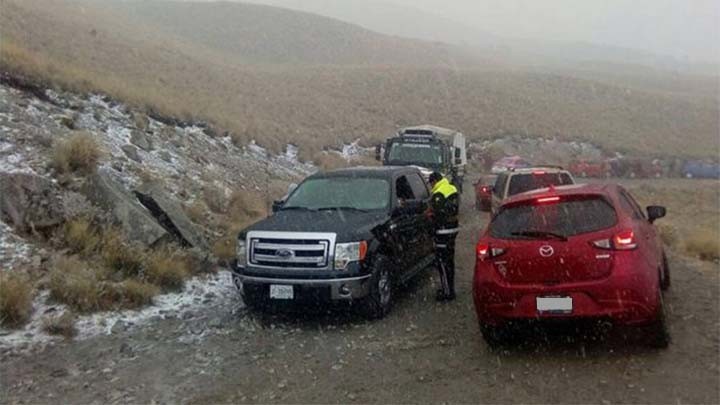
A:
[284,254]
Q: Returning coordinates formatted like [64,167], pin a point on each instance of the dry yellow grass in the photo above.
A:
[80,236]
[15,299]
[704,245]
[329,161]
[79,153]
[166,269]
[73,283]
[120,255]
[134,293]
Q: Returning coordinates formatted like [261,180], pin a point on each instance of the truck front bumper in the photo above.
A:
[336,289]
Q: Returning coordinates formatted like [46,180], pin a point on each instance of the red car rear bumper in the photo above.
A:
[628,298]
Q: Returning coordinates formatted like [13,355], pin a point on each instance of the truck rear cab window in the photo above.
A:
[521,183]
[499,187]
[570,217]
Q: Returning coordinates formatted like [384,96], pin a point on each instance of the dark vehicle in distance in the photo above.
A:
[580,252]
[348,235]
[483,192]
[701,170]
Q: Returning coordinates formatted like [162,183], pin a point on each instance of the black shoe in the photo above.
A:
[442,296]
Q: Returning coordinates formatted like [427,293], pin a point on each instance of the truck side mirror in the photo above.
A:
[655,212]
[378,152]
[277,205]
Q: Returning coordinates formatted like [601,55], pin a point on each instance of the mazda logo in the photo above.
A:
[284,253]
[546,251]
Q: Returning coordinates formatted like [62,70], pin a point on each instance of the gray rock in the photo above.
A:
[140,140]
[141,121]
[131,152]
[165,155]
[30,202]
[135,220]
[170,215]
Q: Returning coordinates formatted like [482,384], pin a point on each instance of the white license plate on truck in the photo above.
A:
[281,292]
[559,305]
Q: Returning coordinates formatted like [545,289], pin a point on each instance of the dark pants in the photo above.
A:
[445,255]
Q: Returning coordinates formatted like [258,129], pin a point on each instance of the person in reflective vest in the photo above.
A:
[445,205]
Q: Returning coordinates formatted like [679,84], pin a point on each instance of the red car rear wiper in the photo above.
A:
[541,235]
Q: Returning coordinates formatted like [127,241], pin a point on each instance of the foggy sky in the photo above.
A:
[688,30]
[679,28]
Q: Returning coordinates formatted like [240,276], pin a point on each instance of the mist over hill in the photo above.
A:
[280,76]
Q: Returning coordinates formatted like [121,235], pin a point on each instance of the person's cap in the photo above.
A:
[435,177]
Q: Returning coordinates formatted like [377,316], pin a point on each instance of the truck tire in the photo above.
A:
[379,302]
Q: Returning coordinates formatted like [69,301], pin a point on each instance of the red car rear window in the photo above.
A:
[567,217]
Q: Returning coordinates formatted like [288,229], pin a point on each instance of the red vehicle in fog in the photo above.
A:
[570,253]
[483,192]
[585,168]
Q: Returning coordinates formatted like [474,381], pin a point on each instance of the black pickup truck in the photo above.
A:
[350,235]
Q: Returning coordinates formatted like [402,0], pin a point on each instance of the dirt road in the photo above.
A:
[424,352]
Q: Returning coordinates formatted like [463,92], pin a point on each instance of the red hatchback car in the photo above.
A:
[572,253]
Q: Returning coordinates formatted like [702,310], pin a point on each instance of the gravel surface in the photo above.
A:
[423,352]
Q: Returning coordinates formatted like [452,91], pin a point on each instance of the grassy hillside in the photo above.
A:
[212,70]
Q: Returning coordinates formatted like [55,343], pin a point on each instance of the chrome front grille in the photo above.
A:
[291,250]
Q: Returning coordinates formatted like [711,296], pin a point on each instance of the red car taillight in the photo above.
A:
[485,251]
[624,240]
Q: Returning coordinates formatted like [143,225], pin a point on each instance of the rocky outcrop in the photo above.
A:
[30,202]
[171,216]
[137,222]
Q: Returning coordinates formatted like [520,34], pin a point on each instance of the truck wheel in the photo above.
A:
[665,279]
[657,333]
[378,303]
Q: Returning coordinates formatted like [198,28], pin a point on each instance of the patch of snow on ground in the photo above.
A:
[192,298]
[199,294]
[14,163]
[13,249]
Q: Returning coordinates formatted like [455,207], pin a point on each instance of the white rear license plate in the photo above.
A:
[560,305]
[281,292]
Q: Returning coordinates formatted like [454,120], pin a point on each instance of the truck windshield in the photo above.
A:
[342,193]
[421,154]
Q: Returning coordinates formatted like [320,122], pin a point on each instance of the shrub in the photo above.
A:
[166,269]
[704,245]
[77,153]
[74,284]
[329,160]
[224,248]
[15,300]
[246,206]
[134,294]
[214,199]
[80,236]
[197,211]
[668,234]
[63,325]
[120,255]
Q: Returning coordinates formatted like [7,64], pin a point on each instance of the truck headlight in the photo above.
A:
[349,252]
[241,252]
